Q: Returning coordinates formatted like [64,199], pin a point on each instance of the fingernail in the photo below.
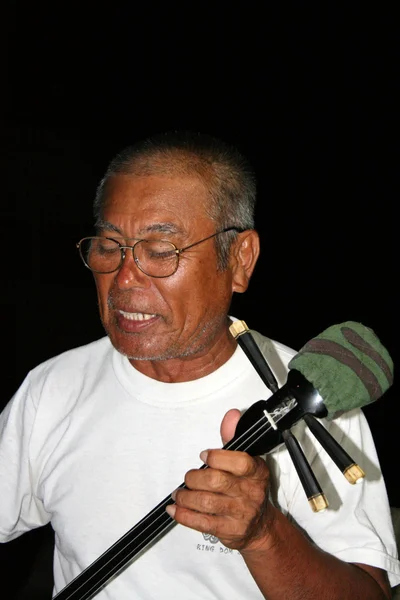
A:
[203,456]
[173,495]
[171,510]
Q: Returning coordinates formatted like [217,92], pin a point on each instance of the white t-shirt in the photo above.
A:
[92,445]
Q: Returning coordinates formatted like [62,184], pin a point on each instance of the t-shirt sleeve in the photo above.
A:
[20,508]
[357,525]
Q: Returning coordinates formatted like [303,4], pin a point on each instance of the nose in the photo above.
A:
[129,275]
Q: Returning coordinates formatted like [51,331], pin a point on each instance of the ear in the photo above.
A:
[245,252]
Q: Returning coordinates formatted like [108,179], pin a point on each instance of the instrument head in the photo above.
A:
[347,364]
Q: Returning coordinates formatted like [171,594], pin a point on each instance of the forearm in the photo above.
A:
[287,565]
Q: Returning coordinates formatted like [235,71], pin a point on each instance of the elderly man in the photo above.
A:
[95,437]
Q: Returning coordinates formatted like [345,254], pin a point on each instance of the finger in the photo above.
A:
[211,480]
[222,527]
[228,425]
[211,503]
[237,463]
[252,485]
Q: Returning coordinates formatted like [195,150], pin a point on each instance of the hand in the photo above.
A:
[229,499]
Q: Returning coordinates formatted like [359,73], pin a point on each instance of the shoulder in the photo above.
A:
[69,369]
[73,357]
[276,354]
[268,344]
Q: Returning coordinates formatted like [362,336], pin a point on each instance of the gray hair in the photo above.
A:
[227,175]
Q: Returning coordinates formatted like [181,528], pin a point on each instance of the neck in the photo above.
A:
[191,367]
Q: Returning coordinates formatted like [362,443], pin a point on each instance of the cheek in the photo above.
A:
[204,290]
[102,287]
[188,284]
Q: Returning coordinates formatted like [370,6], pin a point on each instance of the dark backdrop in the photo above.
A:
[306,96]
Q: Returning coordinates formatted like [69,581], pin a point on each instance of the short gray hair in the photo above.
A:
[226,173]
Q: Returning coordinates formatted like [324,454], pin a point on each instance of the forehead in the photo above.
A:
[138,203]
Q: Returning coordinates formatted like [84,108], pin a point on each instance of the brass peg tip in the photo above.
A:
[354,474]
[237,328]
[318,503]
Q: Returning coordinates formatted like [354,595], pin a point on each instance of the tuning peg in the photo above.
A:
[352,472]
[314,493]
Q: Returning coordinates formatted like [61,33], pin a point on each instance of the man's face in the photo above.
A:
[177,317]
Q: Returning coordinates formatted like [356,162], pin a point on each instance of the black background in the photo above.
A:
[307,96]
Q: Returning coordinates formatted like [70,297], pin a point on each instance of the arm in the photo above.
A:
[297,569]
[20,509]
[229,500]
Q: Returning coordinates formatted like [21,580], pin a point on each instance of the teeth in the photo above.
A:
[136,316]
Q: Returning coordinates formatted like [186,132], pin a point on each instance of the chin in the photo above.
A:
[134,351]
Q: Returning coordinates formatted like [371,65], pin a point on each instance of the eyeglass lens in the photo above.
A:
[154,257]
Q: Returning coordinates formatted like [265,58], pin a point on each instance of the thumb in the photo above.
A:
[228,425]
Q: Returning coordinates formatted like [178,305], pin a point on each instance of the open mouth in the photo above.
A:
[136,316]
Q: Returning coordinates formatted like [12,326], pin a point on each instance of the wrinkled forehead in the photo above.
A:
[165,203]
[158,190]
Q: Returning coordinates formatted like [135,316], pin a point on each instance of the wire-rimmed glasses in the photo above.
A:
[156,258]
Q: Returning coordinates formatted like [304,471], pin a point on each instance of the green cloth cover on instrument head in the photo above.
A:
[347,364]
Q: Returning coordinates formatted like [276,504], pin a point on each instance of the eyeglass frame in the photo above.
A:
[123,247]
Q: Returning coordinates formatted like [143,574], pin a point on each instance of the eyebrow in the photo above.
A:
[166,227]
[100,225]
